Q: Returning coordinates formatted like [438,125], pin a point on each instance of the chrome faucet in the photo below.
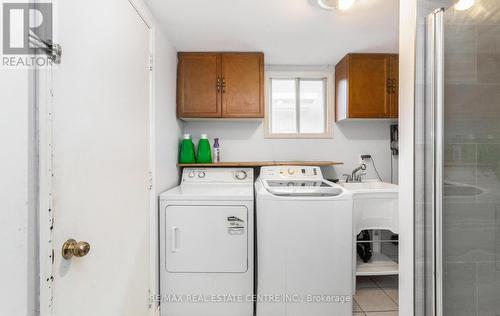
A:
[354,176]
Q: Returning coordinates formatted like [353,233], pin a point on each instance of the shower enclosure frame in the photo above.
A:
[434,96]
[457,159]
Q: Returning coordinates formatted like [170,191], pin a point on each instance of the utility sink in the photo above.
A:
[375,205]
[370,186]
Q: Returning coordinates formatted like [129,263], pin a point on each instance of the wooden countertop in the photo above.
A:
[263,163]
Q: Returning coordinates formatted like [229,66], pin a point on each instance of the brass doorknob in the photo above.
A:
[72,248]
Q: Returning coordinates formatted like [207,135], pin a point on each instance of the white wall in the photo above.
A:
[244,141]
[167,128]
[17,231]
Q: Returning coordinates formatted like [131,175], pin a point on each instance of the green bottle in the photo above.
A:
[186,153]
[204,151]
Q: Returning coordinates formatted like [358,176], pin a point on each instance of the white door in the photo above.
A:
[101,159]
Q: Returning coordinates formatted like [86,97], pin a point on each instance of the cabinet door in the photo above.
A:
[395,86]
[368,90]
[197,89]
[242,85]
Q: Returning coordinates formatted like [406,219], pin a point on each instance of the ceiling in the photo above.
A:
[289,32]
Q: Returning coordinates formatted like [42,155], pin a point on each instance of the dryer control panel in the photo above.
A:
[291,172]
[217,175]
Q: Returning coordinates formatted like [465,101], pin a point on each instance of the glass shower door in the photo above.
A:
[462,160]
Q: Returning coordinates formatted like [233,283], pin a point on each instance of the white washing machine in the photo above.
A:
[304,244]
[206,244]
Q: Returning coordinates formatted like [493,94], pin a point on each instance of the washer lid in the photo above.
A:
[302,187]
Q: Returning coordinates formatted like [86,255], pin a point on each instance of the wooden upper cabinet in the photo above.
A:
[220,85]
[243,80]
[197,75]
[366,87]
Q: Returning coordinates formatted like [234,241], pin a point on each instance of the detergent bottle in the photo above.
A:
[204,150]
[186,153]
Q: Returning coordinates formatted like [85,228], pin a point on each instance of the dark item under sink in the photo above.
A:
[364,249]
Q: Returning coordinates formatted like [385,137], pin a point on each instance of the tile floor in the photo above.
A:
[376,296]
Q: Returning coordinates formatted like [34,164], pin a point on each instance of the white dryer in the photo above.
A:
[304,244]
[206,244]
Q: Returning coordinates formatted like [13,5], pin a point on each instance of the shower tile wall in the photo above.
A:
[471,204]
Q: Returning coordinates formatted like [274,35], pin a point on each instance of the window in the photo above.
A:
[298,105]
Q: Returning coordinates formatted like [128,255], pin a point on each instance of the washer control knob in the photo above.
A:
[191,174]
[201,174]
[291,171]
[241,174]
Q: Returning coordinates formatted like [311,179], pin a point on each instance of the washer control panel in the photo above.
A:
[217,175]
[291,172]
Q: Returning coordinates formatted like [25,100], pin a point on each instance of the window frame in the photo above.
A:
[305,75]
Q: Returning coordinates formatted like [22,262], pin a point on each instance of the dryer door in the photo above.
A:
[206,238]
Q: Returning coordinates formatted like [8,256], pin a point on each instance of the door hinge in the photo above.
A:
[53,51]
[151,299]
[150,63]
[150,181]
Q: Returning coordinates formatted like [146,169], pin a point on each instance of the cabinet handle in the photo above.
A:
[223,85]
[391,86]
[218,84]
